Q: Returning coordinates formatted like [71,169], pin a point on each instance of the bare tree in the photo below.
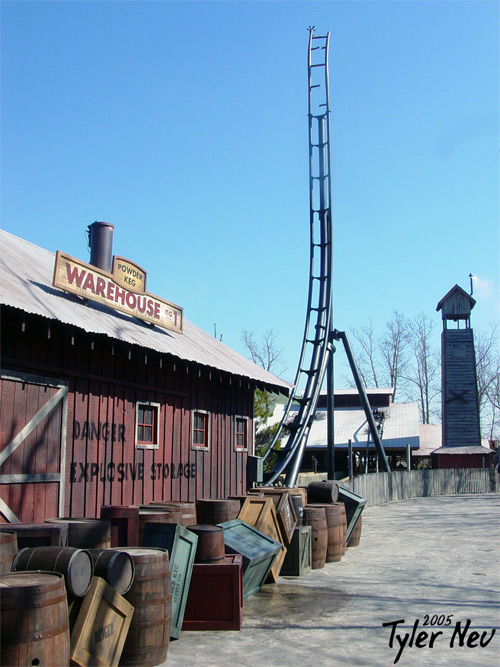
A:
[394,350]
[422,377]
[493,394]
[488,371]
[382,361]
[269,356]
[367,355]
[266,354]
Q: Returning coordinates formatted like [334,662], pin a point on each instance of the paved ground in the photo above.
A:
[427,558]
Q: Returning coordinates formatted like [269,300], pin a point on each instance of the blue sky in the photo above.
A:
[185,125]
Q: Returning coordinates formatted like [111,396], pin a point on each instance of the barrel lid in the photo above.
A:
[79,577]
[20,582]
[205,528]
[121,572]
[138,553]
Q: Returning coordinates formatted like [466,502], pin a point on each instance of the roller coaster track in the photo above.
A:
[316,357]
[317,345]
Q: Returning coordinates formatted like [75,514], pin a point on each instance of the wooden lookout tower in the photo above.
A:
[460,404]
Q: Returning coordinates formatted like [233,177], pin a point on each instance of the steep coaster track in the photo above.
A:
[316,357]
[317,344]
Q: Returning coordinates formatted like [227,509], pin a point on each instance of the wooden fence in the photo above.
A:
[383,487]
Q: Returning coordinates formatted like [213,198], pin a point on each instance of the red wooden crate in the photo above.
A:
[124,521]
[215,599]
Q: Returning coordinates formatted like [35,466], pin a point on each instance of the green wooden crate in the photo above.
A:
[354,505]
[258,550]
[181,546]
[298,559]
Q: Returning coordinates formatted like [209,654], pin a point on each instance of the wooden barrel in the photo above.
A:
[153,515]
[336,523]
[74,564]
[115,567]
[326,491]
[344,521]
[8,550]
[34,626]
[315,517]
[175,509]
[87,533]
[124,524]
[40,534]
[210,547]
[187,513]
[211,512]
[355,535]
[151,595]
[299,507]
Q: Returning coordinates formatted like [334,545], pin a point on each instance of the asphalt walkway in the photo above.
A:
[423,588]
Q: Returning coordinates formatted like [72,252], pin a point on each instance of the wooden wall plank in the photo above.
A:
[106,379]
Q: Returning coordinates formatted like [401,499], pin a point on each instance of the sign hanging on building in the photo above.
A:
[123,290]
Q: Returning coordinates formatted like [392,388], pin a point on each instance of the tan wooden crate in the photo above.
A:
[269,526]
[287,517]
[101,626]
[256,509]
[261,513]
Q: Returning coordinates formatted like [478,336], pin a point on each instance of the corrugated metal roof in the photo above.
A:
[400,428]
[430,439]
[26,283]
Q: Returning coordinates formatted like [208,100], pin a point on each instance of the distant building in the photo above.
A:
[397,422]
[430,446]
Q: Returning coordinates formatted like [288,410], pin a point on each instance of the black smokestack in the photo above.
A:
[101,245]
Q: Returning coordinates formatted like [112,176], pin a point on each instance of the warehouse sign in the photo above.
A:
[124,289]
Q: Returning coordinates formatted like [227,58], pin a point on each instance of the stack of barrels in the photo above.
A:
[47,586]
[327,518]
[47,570]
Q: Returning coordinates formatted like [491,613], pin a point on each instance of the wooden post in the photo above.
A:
[349,459]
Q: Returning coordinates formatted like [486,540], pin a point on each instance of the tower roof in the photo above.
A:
[456,304]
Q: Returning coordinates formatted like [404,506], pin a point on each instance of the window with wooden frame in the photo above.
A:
[146,430]
[241,433]
[200,433]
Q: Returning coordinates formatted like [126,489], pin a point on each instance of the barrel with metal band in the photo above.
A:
[315,517]
[34,625]
[210,547]
[151,595]
[74,564]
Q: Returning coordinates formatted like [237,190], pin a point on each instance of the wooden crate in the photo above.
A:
[124,522]
[354,505]
[285,511]
[39,534]
[260,512]
[181,546]
[298,559]
[258,550]
[256,509]
[215,600]
[102,622]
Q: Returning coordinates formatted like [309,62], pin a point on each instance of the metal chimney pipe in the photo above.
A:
[100,238]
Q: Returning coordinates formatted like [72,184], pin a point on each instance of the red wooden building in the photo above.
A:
[99,407]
